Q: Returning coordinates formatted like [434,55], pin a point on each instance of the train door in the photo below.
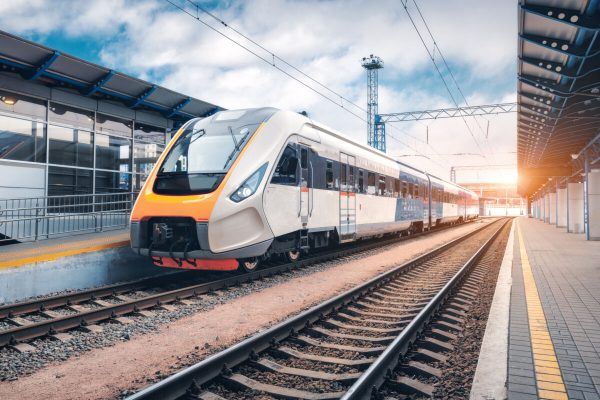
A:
[305,185]
[347,197]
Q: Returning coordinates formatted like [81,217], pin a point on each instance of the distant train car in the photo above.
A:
[240,186]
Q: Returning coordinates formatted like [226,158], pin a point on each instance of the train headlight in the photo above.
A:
[250,185]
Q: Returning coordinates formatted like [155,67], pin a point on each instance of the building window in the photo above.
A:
[70,146]
[138,181]
[149,134]
[69,181]
[113,125]
[113,153]
[71,116]
[112,182]
[145,156]
[15,103]
[22,140]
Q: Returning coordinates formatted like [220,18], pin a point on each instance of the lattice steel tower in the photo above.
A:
[375,127]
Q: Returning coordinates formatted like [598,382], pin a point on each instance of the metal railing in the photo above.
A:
[37,218]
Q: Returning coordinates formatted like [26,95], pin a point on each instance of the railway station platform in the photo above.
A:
[73,262]
[545,318]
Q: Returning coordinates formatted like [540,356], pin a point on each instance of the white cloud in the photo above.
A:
[324,39]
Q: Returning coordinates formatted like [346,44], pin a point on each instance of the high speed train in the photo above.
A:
[240,186]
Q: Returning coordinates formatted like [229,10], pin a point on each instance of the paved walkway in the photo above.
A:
[554,333]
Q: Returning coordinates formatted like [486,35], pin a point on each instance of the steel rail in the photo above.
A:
[54,325]
[372,379]
[66,299]
[210,368]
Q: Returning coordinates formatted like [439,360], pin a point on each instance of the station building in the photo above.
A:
[71,127]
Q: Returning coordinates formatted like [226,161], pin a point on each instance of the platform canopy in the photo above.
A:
[558,89]
[53,68]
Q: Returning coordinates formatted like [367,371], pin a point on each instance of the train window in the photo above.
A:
[351,181]
[417,193]
[329,175]
[404,191]
[343,178]
[361,181]
[371,183]
[411,190]
[303,158]
[381,191]
[287,168]
[389,186]
[396,187]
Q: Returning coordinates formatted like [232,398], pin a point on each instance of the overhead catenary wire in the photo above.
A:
[272,57]
[266,60]
[405,5]
[436,45]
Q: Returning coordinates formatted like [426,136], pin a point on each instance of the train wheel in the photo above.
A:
[249,264]
[292,255]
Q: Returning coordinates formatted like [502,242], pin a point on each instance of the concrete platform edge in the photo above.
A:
[492,367]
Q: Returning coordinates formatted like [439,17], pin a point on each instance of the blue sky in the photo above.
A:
[153,40]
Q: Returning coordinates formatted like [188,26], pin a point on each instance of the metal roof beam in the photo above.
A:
[100,83]
[556,68]
[562,15]
[547,86]
[549,66]
[543,113]
[557,45]
[545,100]
[39,71]
[172,112]
[141,98]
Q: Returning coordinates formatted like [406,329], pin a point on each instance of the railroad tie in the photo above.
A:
[278,391]
[306,373]
[356,349]
[413,386]
[287,351]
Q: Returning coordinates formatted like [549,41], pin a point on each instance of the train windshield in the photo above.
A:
[204,152]
[206,148]
[202,155]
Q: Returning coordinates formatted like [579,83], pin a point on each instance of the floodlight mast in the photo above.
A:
[375,128]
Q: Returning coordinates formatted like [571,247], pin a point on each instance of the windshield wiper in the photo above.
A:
[197,137]
[235,142]
[236,147]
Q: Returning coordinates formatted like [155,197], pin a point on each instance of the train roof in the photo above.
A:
[263,114]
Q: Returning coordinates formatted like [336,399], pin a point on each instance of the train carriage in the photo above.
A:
[242,185]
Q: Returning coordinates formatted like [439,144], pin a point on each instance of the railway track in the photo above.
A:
[348,346]
[24,321]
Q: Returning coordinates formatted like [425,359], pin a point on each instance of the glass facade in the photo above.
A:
[84,151]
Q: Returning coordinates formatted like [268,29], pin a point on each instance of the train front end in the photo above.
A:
[201,207]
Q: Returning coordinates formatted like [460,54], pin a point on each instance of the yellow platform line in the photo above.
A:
[549,380]
[51,256]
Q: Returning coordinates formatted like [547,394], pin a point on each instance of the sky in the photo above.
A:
[326,40]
